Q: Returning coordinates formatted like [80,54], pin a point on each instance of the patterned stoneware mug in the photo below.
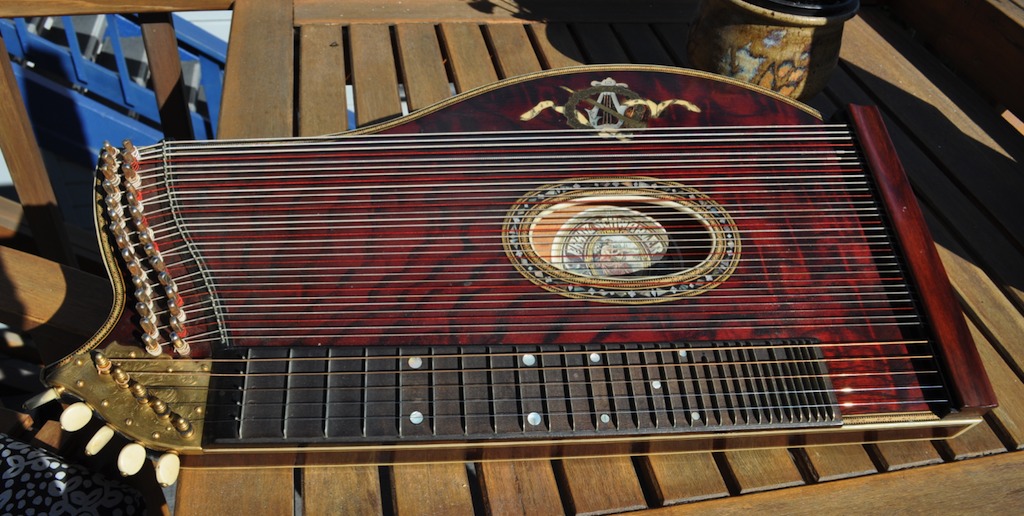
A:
[788,46]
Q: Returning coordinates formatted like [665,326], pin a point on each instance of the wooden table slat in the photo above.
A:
[970,487]
[322,99]
[761,470]
[972,227]
[1009,415]
[901,455]
[978,163]
[468,56]
[620,489]
[424,75]
[599,43]
[685,477]
[555,45]
[674,36]
[251,490]
[361,491]
[519,487]
[642,44]
[837,462]
[262,46]
[979,441]
[513,51]
[374,75]
[430,489]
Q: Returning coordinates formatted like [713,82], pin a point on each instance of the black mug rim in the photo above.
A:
[822,8]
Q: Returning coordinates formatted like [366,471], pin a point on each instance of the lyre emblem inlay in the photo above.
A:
[607,106]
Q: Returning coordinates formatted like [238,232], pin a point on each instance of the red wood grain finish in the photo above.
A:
[368,240]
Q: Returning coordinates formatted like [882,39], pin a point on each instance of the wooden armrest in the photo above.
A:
[59,306]
[24,8]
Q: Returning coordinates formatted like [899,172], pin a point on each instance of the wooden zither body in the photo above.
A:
[593,261]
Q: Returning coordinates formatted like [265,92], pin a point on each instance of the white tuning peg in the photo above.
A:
[131,459]
[99,440]
[76,416]
[42,398]
[167,467]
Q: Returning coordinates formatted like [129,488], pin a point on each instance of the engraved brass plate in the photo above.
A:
[180,383]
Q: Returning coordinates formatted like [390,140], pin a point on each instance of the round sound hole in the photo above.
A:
[622,241]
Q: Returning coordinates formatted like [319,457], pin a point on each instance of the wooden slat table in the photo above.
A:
[290,68]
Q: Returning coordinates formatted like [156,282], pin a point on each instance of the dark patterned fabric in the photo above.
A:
[36,482]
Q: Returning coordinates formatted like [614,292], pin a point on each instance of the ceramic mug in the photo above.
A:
[787,46]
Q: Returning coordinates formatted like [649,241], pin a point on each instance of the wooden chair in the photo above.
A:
[962,158]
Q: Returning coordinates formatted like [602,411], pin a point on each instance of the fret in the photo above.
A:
[382,400]
[447,403]
[600,391]
[694,373]
[263,405]
[533,405]
[555,390]
[626,415]
[582,408]
[415,391]
[675,395]
[505,393]
[476,392]
[306,393]
[346,392]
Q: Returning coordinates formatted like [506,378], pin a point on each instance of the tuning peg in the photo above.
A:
[131,459]
[167,467]
[76,416]
[98,441]
[42,398]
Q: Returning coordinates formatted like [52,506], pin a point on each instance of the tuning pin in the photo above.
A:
[76,416]
[167,467]
[131,459]
[102,363]
[99,440]
[43,398]
[180,346]
[139,391]
[120,377]
[182,425]
[146,236]
[152,345]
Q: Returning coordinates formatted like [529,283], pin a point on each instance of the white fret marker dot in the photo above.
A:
[605,418]
[682,353]
[415,362]
[695,416]
[656,385]
[595,358]
[416,417]
[529,360]
[533,418]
